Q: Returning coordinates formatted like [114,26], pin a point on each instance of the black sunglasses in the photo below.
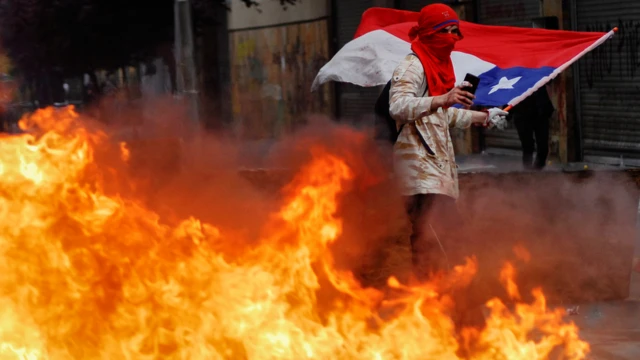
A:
[455,31]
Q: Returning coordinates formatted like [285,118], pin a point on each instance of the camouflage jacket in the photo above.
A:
[423,170]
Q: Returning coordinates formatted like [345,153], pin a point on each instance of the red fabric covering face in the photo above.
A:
[434,48]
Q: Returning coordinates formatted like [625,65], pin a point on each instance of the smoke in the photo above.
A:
[371,208]
[180,171]
[578,228]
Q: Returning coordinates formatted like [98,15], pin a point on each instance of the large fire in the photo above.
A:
[87,274]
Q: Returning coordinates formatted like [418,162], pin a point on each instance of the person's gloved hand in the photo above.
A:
[497,118]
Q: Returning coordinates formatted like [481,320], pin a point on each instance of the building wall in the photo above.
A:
[212,60]
[275,55]
[355,103]
[271,13]
[561,146]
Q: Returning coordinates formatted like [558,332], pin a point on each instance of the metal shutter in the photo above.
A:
[348,15]
[414,5]
[507,13]
[609,78]
[354,101]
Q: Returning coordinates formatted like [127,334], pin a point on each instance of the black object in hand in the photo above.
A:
[474,81]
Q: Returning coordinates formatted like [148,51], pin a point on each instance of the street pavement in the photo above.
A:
[612,329]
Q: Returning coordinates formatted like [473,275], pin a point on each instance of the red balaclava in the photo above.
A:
[434,48]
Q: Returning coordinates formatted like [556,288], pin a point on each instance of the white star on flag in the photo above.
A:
[504,83]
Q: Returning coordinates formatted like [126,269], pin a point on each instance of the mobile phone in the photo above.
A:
[474,81]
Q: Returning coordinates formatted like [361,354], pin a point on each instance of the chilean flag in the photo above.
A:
[511,62]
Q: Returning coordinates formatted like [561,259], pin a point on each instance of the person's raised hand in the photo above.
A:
[458,95]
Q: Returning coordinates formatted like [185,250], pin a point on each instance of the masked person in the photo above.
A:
[423,153]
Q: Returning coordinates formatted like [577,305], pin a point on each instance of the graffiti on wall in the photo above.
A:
[618,56]
[272,72]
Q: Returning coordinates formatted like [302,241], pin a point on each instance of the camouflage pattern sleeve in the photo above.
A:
[459,118]
[406,103]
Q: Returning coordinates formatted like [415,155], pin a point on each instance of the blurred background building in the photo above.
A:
[248,70]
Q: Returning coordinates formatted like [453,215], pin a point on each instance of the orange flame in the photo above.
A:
[507,275]
[125,153]
[90,275]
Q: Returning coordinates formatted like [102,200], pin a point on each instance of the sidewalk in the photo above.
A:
[612,329]
[510,162]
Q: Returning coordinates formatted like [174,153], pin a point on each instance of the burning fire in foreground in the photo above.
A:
[88,275]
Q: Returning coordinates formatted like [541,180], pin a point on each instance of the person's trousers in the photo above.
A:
[528,127]
[435,225]
[437,244]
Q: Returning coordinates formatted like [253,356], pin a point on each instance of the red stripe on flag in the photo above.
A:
[503,46]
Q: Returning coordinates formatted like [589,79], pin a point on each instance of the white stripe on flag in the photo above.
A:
[371,59]
[366,61]
[464,63]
